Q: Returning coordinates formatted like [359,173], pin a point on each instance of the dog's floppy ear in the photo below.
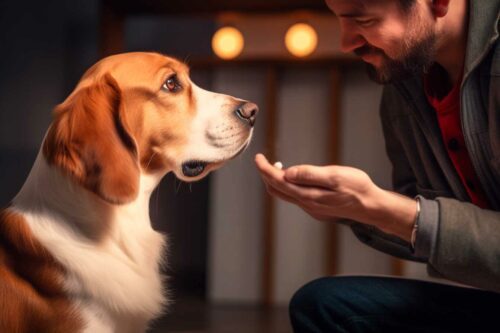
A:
[90,140]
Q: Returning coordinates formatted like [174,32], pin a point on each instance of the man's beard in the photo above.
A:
[415,58]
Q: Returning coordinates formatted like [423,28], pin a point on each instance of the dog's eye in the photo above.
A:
[172,84]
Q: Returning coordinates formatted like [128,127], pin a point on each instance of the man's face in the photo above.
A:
[393,42]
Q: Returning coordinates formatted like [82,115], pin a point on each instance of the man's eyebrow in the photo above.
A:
[352,14]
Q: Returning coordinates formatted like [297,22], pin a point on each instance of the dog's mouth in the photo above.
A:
[193,168]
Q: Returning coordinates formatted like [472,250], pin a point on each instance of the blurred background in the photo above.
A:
[236,256]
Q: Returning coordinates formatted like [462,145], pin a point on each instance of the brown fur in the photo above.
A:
[90,140]
[32,299]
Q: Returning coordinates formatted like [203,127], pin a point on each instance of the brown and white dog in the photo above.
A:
[77,251]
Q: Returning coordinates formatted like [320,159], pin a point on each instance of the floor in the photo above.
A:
[195,316]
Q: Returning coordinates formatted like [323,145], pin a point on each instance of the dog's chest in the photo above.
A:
[129,292]
[129,275]
[119,275]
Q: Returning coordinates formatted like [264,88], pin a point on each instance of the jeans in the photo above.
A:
[384,304]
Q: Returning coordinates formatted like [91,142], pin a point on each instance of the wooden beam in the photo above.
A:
[397,266]
[269,223]
[335,103]
[197,7]
[112,39]
[278,62]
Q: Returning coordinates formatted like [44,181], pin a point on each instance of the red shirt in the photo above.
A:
[448,115]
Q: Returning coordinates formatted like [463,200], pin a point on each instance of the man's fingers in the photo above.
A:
[267,169]
[303,194]
[311,175]
[277,193]
[316,211]
[275,178]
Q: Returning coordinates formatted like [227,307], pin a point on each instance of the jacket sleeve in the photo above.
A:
[467,248]
[464,245]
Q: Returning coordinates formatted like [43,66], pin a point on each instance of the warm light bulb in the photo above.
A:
[227,42]
[301,40]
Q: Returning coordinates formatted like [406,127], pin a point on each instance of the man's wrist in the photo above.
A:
[394,214]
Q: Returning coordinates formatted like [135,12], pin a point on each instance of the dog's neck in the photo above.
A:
[48,190]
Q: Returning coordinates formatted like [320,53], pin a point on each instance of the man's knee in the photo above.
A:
[321,304]
[309,296]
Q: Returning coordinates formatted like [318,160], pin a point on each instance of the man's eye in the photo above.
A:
[366,23]
[172,84]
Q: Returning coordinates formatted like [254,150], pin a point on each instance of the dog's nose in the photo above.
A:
[247,112]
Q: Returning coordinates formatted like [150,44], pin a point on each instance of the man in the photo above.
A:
[440,110]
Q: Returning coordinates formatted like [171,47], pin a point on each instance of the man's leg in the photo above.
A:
[378,304]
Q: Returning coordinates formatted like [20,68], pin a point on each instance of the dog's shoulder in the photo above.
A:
[31,289]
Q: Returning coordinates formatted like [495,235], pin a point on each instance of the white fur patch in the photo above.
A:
[112,257]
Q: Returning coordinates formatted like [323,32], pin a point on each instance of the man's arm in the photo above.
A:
[467,247]
[458,240]
[341,192]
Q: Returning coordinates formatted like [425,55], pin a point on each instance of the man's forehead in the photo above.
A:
[345,4]
[351,8]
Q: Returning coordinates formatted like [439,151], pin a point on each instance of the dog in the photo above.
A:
[77,250]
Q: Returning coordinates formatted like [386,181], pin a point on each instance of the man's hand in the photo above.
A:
[335,192]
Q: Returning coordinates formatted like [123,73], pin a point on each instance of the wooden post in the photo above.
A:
[332,239]
[269,223]
[397,266]
[112,30]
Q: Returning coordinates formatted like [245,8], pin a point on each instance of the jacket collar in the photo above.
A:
[483,31]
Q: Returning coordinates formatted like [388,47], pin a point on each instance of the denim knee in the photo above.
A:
[313,308]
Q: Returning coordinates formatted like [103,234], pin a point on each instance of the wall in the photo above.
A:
[237,209]
[235,238]
[46,46]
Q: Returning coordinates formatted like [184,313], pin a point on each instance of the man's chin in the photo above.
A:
[388,73]
[377,75]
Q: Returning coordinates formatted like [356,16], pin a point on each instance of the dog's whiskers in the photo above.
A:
[150,160]
[226,135]
[225,141]
[178,187]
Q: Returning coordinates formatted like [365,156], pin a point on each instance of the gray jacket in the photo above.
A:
[458,240]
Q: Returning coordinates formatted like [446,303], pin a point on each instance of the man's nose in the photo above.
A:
[350,41]
[247,112]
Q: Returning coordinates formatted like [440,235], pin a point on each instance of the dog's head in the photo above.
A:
[139,113]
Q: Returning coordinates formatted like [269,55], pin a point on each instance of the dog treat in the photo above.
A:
[278,165]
